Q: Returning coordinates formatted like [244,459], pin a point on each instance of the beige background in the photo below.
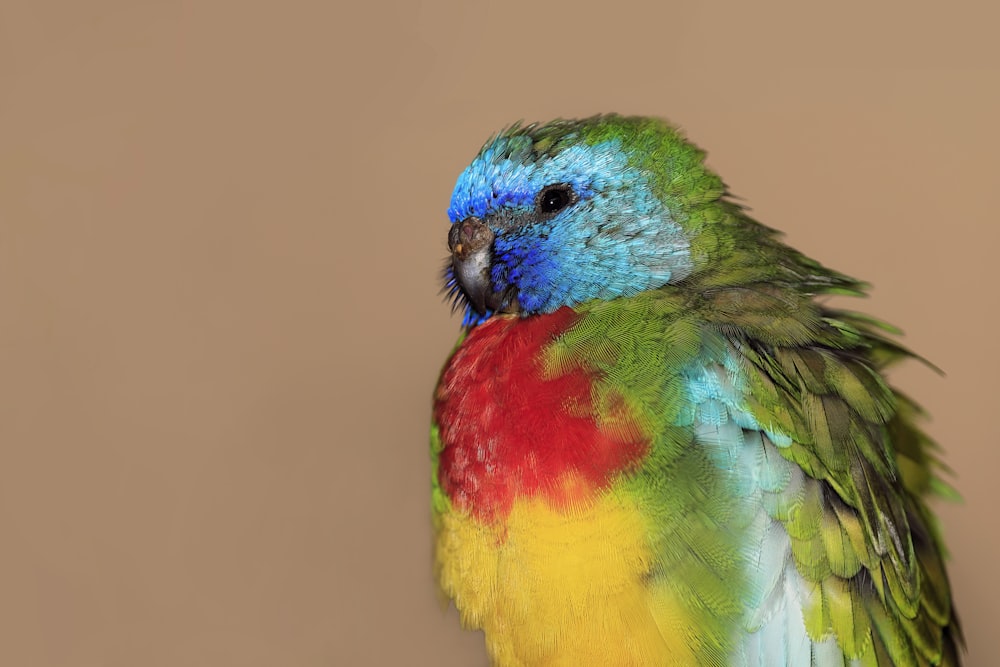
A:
[221,228]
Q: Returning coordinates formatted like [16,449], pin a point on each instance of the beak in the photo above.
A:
[471,245]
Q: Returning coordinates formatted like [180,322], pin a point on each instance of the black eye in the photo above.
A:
[555,198]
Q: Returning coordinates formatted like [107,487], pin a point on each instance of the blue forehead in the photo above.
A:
[507,174]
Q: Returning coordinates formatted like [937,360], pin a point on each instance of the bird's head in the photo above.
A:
[558,214]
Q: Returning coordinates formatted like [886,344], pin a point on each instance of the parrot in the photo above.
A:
[655,441]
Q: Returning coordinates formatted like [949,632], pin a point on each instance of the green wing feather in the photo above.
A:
[862,535]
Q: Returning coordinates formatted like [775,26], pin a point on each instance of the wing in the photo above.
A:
[862,539]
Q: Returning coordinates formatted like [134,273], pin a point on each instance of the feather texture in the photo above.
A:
[656,447]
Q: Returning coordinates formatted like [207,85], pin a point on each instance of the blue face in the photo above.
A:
[568,227]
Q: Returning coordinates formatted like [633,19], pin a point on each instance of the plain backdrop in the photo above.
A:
[222,225]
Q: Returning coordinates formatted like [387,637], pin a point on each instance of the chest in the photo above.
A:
[582,524]
[514,424]
[557,587]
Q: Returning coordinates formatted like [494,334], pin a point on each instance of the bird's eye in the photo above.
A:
[555,198]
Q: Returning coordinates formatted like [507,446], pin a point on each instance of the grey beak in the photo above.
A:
[471,245]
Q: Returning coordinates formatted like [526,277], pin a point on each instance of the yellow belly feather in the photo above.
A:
[563,586]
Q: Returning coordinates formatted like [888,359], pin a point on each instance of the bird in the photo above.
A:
[655,442]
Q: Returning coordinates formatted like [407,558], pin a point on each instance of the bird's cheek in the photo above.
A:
[526,274]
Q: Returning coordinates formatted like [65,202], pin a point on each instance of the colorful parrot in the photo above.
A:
[652,445]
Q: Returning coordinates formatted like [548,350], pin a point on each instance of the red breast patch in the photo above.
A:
[507,431]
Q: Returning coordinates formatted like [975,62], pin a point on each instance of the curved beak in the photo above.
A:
[471,245]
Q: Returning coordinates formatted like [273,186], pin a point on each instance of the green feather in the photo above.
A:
[853,504]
